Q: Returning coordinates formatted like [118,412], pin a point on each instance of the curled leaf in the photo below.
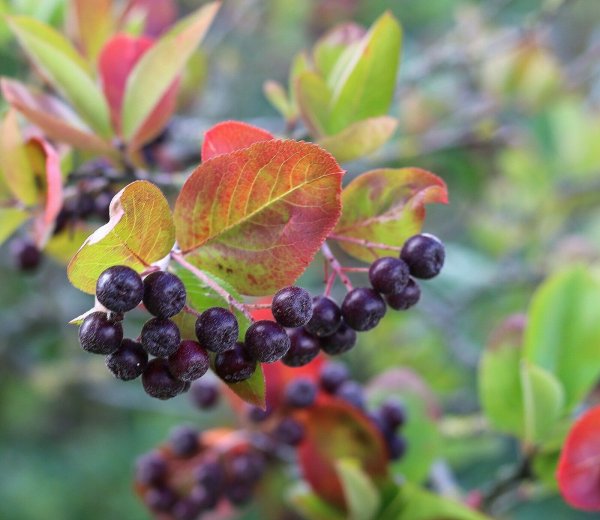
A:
[230,136]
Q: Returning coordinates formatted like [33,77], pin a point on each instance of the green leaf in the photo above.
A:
[140,232]
[313,98]
[386,206]
[313,507]
[415,503]
[364,79]
[66,70]
[362,496]
[160,66]
[360,138]
[330,47]
[252,390]
[10,220]
[277,96]
[563,332]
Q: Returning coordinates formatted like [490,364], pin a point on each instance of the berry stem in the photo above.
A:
[207,280]
[257,306]
[355,269]
[364,243]
[335,265]
[329,285]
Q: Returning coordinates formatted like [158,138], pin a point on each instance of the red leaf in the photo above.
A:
[116,61]
[336,430]
[256,217]
[578,471]
[229,136]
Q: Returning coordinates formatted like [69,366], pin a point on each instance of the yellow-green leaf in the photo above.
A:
[10,220]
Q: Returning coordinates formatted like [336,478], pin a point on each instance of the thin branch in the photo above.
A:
[510,482]
[335,265]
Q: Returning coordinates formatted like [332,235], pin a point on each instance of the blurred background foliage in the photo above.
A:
[499,97]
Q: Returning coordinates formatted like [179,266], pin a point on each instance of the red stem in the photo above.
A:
[335,265]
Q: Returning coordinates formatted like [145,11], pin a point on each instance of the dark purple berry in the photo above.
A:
[160,499]
[234,365]
[266,341]
[303,348]
[210,475]
[164,294]
[186,509]
[405,299]
[332,376]
[128,362]
[239,494]
[217,329]
[300,393]
[257,414]
[159,382]
[160,337]
[363,308]
[26,255]
[102,205]
[424,255]
[339,342]
[393,413]
[99,335]
[289,431]
[292,307]
[352,392]
[388,275]
[326,318]
[184,441]
[204,394]
[119,288]
[244,467]
[150,469]
[85,205]
[202,498]
[189,362]
[396,445]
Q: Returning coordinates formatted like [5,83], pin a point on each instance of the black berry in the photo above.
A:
[396,445]
[339,342]
[234,365]
[353,393]
[204,394]
[332,376]
[160,498]
[164,294]
[363,308]
[257,414]
[266,341]
[289,431]
[424,255]
[102,205]
[239,494]
[159,382]
[303,348]
[210,475]
[388,275]
[300,393]
[244,467]
[326,317]
[217,329]
[99,335]
[119,288]
[292,307]
[186,509]
[160,337]
[405,299]
[184,441]
[128,362]
[393,413]
[189,362]
[26,255]
[150,469]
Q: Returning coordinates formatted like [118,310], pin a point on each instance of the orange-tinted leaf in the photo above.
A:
[256,217]
[230,136]
[55,118]
[579,466]
[334,431]
[93,24]
[139,233]
[387,206]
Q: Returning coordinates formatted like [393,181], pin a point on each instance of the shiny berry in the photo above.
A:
[129,361]
[189,362]
[235,365]
[266,341]
[332,376]
[164,294]
[217,329]
[424,254]
[119,288]
[160,337]
[303,348]
[292,307]
[204,394]
[159,382]
[363,308]
[99,335]
[339,342]
[326,317]
[405,299]
[388,275]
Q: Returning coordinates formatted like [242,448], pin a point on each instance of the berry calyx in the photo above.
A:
[159,382]
[339,342]
[266,341]
[303,348]
[406,298]
[424,254]
[300,393]
[292,307]
[326,317]
[160,337]
[189,362]
[129,362]
[388,275]
[164,294]
[99,335]
[217,329]
[234,365]
[119,288]
[332,376]
[363,308]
